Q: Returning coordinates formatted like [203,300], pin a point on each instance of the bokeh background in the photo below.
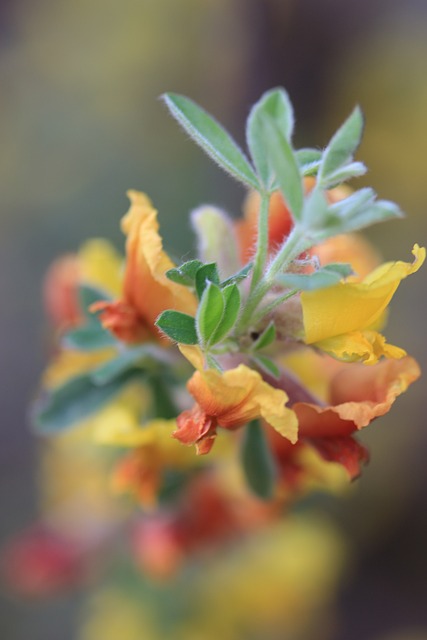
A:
[81,122]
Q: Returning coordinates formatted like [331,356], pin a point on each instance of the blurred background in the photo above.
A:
[81,123]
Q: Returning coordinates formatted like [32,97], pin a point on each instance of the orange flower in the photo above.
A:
[230,400]
[146,289]
[355,395]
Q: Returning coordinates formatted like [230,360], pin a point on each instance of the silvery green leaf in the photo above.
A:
[276,105]
[212,138]
[349,171]
[342,145]
[285,167]
[267,365]
[324,277]
[308,161]
[239,276]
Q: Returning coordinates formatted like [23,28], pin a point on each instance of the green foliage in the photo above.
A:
[340,150]
[284,166]
[276,106]
[324,277]
[74,401]
[91,335]
[212,137]
[231,297]
[205,274]
[127,358]
[257,461]
[239,276]
[266,365]
[185,274]
[178,326]
[266,338]
[209,313]
[308,161]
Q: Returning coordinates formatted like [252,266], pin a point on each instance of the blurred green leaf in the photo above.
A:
[74,401]
[350,171]
[342,146]
[212,137]
[308,161]
[266,338]
[267,365]
[178,326]
[324,277]
[274,104]
[239,276]
[90,337]
[257,461]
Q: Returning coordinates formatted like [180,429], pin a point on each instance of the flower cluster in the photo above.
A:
[216,392]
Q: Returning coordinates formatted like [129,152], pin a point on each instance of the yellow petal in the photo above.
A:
[194,355]
[360,346]
[350,307]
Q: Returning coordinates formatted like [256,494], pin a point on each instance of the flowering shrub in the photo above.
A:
[218,391]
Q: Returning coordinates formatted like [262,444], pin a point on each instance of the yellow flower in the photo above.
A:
[340,319]
[230,400]
[146,290]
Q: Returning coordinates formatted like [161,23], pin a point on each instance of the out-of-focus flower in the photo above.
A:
[229,400]
[146,290]
[341,319]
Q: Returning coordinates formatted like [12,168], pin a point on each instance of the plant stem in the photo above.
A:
[262,241]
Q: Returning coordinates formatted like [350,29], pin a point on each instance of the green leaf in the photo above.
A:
[316,210]
[239,276]
[207,273]
[352,170]
[74,401]
[210,313]
[266,338]
[127,359]
[88,295]
[185,274]
[307,158]
[324,277]
[257,461]
[90,337]
[267,365]
[178,326]
[285,168]
[231,296]
[342,145]
[212,138]
[274,104]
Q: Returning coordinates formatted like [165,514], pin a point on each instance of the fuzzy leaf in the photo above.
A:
[257,461]
[267,365]
[212,138]
[74,401]
[274,104]
[266,338]
[308,161]
[325,277]
[88,295]
[184,274]
[342,145]
[178,326]
[209,313]
[349,171]
[231,296]
[90,337]
[207,273]
[239,276]
[127,359]
[285,167]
